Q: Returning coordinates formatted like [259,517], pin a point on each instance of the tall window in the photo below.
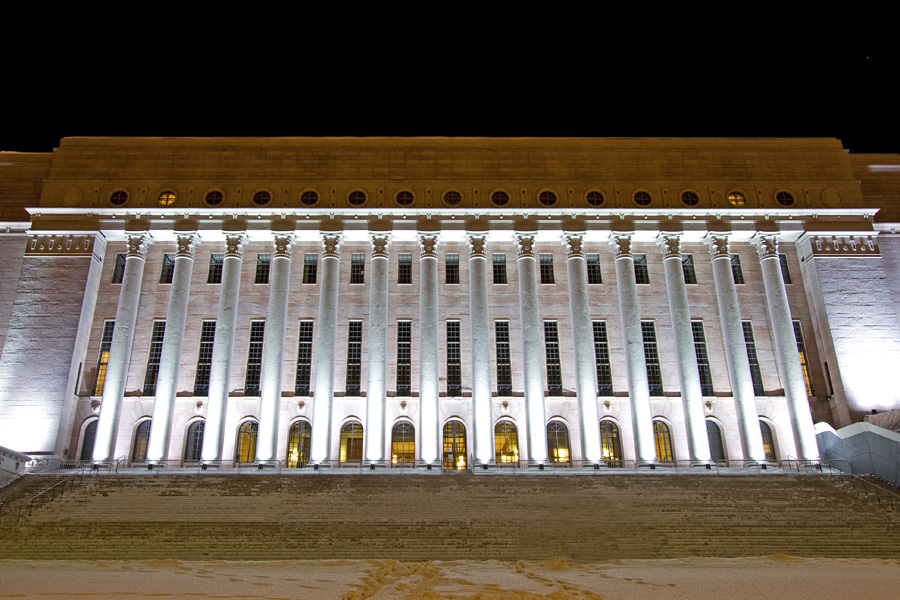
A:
[215,268]
[454,445]
[103,360]
[547,268]
[404,268]
[610,442]
[262,267]
[641,272]
[804,359]
[156,343]
[193,446]
[651,356]
[88,438]
[254,358]
[768,441]
[551,348]
[558,442]
[451,268]
[736,272]
[168,268]
[352,442]
[755,374]
[119,268]
[504,368]
[506,443]
[454,372]
[593,269]
[404,358]
[141,440]
[785,272]
[245,449]
[499,262]
[354,357]
[357,267]
[601,355]
[204,358]
[403,443]
[298,444]
[304,359]
[706,386]
[310,264]
[716,447]
[663,439]
[687,266]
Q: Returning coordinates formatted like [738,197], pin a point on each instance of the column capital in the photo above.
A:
[477,243]
[574,244]
[284,244]
[525,244]
[380,243]
[718,246]
[428,243]
[670,243]
[187,243]
[235,244]
[138,243]
[621,243]
[331,245]
[766,245]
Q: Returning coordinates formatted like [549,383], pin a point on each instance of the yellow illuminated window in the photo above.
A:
[506,446]
[403,443]
[351,442]
[166,198]
[736,199]
[663,440]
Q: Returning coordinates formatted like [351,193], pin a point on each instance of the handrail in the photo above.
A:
[48,494]
[878,490]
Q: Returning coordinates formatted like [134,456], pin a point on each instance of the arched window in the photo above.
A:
[298,444]
[454,445]
[245,449]
[558,442]
[87,440]
[610,443]
[193,446]
[663,440]
[403,443]
[768,441]
[714,433]
[351,442]
[141,439]
[506,443]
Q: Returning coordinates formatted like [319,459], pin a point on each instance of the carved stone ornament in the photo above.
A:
[718,246]
[525,243]
[187,243]
[621,245]
[428,243]
[670,245]
[331,245]
[235,245]
[380,243]
[283,245]
[574,243]
[60,245]
[138,243]
[477,244]
[850,245]
[766,245]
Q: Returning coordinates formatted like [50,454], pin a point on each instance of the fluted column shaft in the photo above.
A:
[480,318]
[583,341]
[320,445]
[170,357]
[685,352]
[120,349]
[529,310]
[376,387]
[223,347]
[786,348]
[429,383]
[273,352]
[635,361]
[736,351]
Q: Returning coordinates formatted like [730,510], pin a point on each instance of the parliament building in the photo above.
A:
[464,302]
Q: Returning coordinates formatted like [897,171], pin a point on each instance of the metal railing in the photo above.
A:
[24,508]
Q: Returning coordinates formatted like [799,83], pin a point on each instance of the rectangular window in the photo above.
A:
[601,355]
[641,273]
[404,358]
[204,358]
[785,272]
[504,367]
[103,360]
[687,265]
[304,359]
[215,268]
[755,374]
[156,343]
[706,386]
[119,269]
[454,372]
[310,262]
[499,268]
[593,268]
[262,268]
[168,268]
[736,272]
[357,268]
[404,268]
[804,359]
[254,358]
[651,357]
[551,349]
[354,358]
[547,268]
[451,268]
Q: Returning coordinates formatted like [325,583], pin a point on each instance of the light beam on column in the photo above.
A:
[320,445]
[376,389]
[482,417]
[429,390]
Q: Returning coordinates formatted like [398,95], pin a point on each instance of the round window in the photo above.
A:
[500,198]
[118,198]
[690,199]
[784,199]
[547,198]
[736,199]
[309,198]
[404,198]
[166,198]
[262,198]
[594,198]
[642,198]
[452,198]
[214,198]
[357,198]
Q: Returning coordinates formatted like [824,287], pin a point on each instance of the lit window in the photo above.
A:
[357,198]
[118,198]
[642,198]
[168,268]
[404,358]
[404,198]
[451,268]
[311,198]
[504,368]
[254,358]
[214,198]
[706,386]
[594,198]
[156,343]
[452,198]
[262,267]
[454,369]
[641,271]
[216,261]
[785,271]
[298,444]
[354,358]
[506,443]
[454,445]
[736,272]
[404,268]
[736,199]
[663,439]
[204,358]
[500,198]
[784,199]
[262,198]
[193,446]
[558,442]
[403,444]
[357,268]
[310,262]
[499,268]
[601,356]
[804,359]
[119,268]
[245,449]
[166,198]
[304,360]
[755,374]
[547,198]
[687,266]
[690,199]
[716,446]
[610,443]
[768,441]
[352,442]
[593,269]
[651,357]
[547,269]
[551,349]
[103,360]
[141,441]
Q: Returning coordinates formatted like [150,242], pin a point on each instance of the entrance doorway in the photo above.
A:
[455,445]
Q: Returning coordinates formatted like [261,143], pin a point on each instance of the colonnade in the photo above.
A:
[429,401]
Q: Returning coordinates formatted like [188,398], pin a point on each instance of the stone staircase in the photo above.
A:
[586,518]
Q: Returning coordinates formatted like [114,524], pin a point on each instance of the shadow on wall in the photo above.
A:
[869,449]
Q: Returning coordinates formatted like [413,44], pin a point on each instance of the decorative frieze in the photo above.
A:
[60,245]
[574,244]
[844,245]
